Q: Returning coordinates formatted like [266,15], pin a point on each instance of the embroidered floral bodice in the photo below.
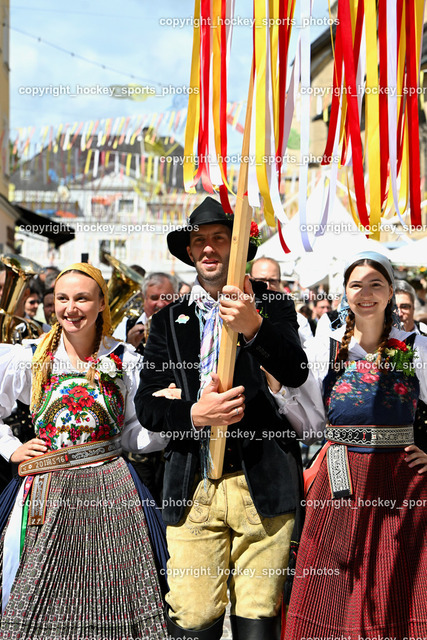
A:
[74,412]
[362,394]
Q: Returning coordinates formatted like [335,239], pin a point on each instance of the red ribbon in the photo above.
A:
[383,99]
[205,57]
[413,124]
[281,238]
[352,110]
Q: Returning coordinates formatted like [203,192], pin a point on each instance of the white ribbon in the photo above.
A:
[12,547]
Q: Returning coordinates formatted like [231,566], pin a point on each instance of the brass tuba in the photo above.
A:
[124,289]
[18,271]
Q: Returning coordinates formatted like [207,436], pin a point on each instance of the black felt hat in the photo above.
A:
[210,211]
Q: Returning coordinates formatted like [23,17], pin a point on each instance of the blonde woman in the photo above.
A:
[77,557]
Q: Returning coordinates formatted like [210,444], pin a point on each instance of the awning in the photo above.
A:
[58,232]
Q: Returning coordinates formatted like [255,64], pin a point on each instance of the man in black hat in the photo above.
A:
[236,529]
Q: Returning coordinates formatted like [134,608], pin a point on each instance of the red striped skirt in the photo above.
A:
[361,571]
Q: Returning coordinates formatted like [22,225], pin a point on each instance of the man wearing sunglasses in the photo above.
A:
[405,301]
[268,270]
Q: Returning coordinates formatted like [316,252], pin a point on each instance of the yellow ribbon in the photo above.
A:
[372,118]
[262,67]
[58,135]
[149,168]
[193,111]
[89,156]
[128,161]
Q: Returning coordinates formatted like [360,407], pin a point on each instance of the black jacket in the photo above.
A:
[270,457]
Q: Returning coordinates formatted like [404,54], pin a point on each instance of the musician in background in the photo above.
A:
[267,270]
[405,301]
[120,332]
[49,306]
[45,280]
[32,303]
[31,306]
[19,420]
[159,290]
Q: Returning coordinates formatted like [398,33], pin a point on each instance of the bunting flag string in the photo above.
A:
[386,38]
[112,132]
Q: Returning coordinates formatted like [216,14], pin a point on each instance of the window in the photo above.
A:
[116,248]
[126,205]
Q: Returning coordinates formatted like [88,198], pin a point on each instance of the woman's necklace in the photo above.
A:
[370,357]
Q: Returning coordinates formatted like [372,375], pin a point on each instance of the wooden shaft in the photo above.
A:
[236,275]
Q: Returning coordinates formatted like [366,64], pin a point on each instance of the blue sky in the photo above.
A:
[127,36]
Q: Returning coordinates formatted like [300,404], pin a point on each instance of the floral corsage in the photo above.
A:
[108,367]
[254,234]
[400,356]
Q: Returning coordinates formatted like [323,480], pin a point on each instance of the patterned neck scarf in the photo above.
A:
[210,337]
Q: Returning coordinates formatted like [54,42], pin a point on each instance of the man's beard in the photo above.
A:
[218,278]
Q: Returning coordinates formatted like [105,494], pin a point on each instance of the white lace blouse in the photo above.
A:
[15,384]
[317,350]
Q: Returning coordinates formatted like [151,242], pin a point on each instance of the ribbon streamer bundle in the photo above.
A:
[377,58]
[207,115]
[206,136]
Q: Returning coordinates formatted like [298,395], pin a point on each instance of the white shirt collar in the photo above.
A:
[104,349]
[143,318]
[354,346]
[197,292]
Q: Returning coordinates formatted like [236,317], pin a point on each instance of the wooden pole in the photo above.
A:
[236,275]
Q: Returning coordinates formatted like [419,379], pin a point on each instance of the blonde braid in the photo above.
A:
[42,367]
[90,376]
[57,329]
[345,342]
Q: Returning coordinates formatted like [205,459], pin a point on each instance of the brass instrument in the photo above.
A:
[18,271]
[134,307]
[124,288]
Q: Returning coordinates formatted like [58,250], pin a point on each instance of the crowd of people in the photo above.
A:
[115,526]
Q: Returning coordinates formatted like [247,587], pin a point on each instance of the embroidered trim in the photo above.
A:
[371,436]
[38,500]
[73,456]
[339,471]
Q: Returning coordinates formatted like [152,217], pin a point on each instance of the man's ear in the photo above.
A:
[190,254]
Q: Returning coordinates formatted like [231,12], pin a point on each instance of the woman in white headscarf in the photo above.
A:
[362,562]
